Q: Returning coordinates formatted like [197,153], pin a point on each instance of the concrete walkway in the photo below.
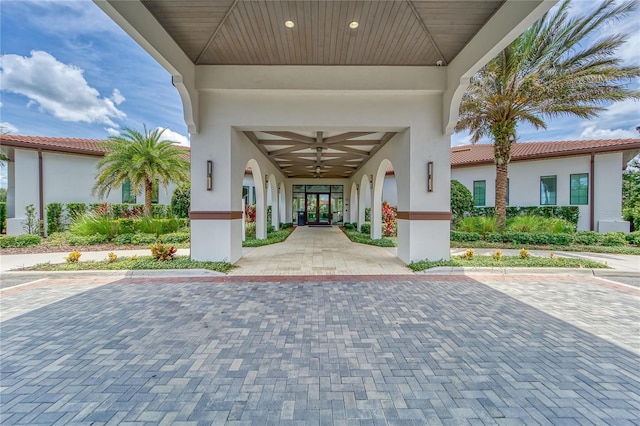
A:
[320,251]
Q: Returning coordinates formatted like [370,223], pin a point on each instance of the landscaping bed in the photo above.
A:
[508,262]
[134,263]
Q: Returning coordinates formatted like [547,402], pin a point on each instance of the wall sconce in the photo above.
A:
[266,182]
[209,175]
[430,176]
[371,181]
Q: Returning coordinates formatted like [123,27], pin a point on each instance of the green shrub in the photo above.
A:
[75,210]
[3,217]
[148,225]
[31,225]
[183,223]
[361,238]
[633,238]
[539,224]
[87,240]
[365,228]
[122,239]
[250,229]
[120,210]
[54,217]
[614,239]
[160,211]
[181,200]
[588,238]
[461,236]
[18,241]
[91,224]
[461,200]
[57,239]
[127,226]
[175,238]
[286,225]
[367,214]
[143,239]
[479,224]
[569,213]
[493,237]
[349,227]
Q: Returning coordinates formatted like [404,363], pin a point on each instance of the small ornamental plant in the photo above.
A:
[551,256]
[134,257]
[112,257]
[161,252]
[73,257]
[524,254]
[468,255]
[497,255]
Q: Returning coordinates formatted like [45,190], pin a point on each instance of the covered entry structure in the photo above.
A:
[315,92]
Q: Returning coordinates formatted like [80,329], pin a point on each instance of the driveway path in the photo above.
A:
[408,350]
[319,251]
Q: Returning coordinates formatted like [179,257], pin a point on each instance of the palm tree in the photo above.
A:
[559,66]
[141,158]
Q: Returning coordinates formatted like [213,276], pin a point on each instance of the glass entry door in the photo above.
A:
[318,209]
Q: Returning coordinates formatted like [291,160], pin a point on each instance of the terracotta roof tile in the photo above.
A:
[69,145]
[468,155]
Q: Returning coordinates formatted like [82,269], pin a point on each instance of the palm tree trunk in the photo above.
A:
[503,133]
[501,196]
[148,190]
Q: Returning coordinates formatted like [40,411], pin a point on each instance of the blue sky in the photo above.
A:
[67,70]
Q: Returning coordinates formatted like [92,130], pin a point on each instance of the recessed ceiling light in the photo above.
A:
[353,25]
[289,24]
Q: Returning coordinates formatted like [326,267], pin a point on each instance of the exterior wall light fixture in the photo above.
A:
[209,175]
[430,176]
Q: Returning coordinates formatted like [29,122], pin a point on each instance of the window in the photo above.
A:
[580,189]
[548,185]
[127,195]
[479,192]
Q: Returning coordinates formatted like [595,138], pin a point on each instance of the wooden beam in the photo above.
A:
[345,136]
[298,147]
[293,137]
[349,150]
[254,139]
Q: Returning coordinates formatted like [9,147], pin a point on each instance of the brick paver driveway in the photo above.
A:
[396,350]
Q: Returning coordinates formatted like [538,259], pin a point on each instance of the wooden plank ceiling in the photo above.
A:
[253,32]
[318,154]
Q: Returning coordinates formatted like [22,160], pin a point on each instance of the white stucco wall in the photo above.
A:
[67,178]
[524,183]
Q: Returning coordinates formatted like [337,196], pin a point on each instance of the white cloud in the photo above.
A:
[111,131]
[117,97]
[8,128]
[592,132]
[170,135]
[59,89]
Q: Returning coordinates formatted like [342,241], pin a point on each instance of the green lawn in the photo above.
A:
[359,237]
[573,247]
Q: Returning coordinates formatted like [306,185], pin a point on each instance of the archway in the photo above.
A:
[272,202]
[256,197]
[364,200]
[353,200]
[385,197]
[282,203]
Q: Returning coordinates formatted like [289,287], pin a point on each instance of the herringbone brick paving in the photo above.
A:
[412,351]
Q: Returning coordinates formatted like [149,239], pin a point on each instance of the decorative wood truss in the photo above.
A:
[318,154]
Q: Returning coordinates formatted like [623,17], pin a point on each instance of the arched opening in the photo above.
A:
[364,201]
[282,203]
[353,201]
[272,204]
[254,200]
[385,202]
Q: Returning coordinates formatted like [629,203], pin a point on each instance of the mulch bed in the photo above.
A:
[67,248]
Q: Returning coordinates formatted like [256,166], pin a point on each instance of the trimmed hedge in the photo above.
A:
[75,210]
[349,227]
[365,228]
[582,238]
[3,216]
[175,238]
[568,213]
[54,217]
[26,240]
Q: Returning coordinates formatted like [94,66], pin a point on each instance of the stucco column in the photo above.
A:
[215,225]
[423,215]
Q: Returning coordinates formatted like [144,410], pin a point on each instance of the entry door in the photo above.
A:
[312,208]
[318,208]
